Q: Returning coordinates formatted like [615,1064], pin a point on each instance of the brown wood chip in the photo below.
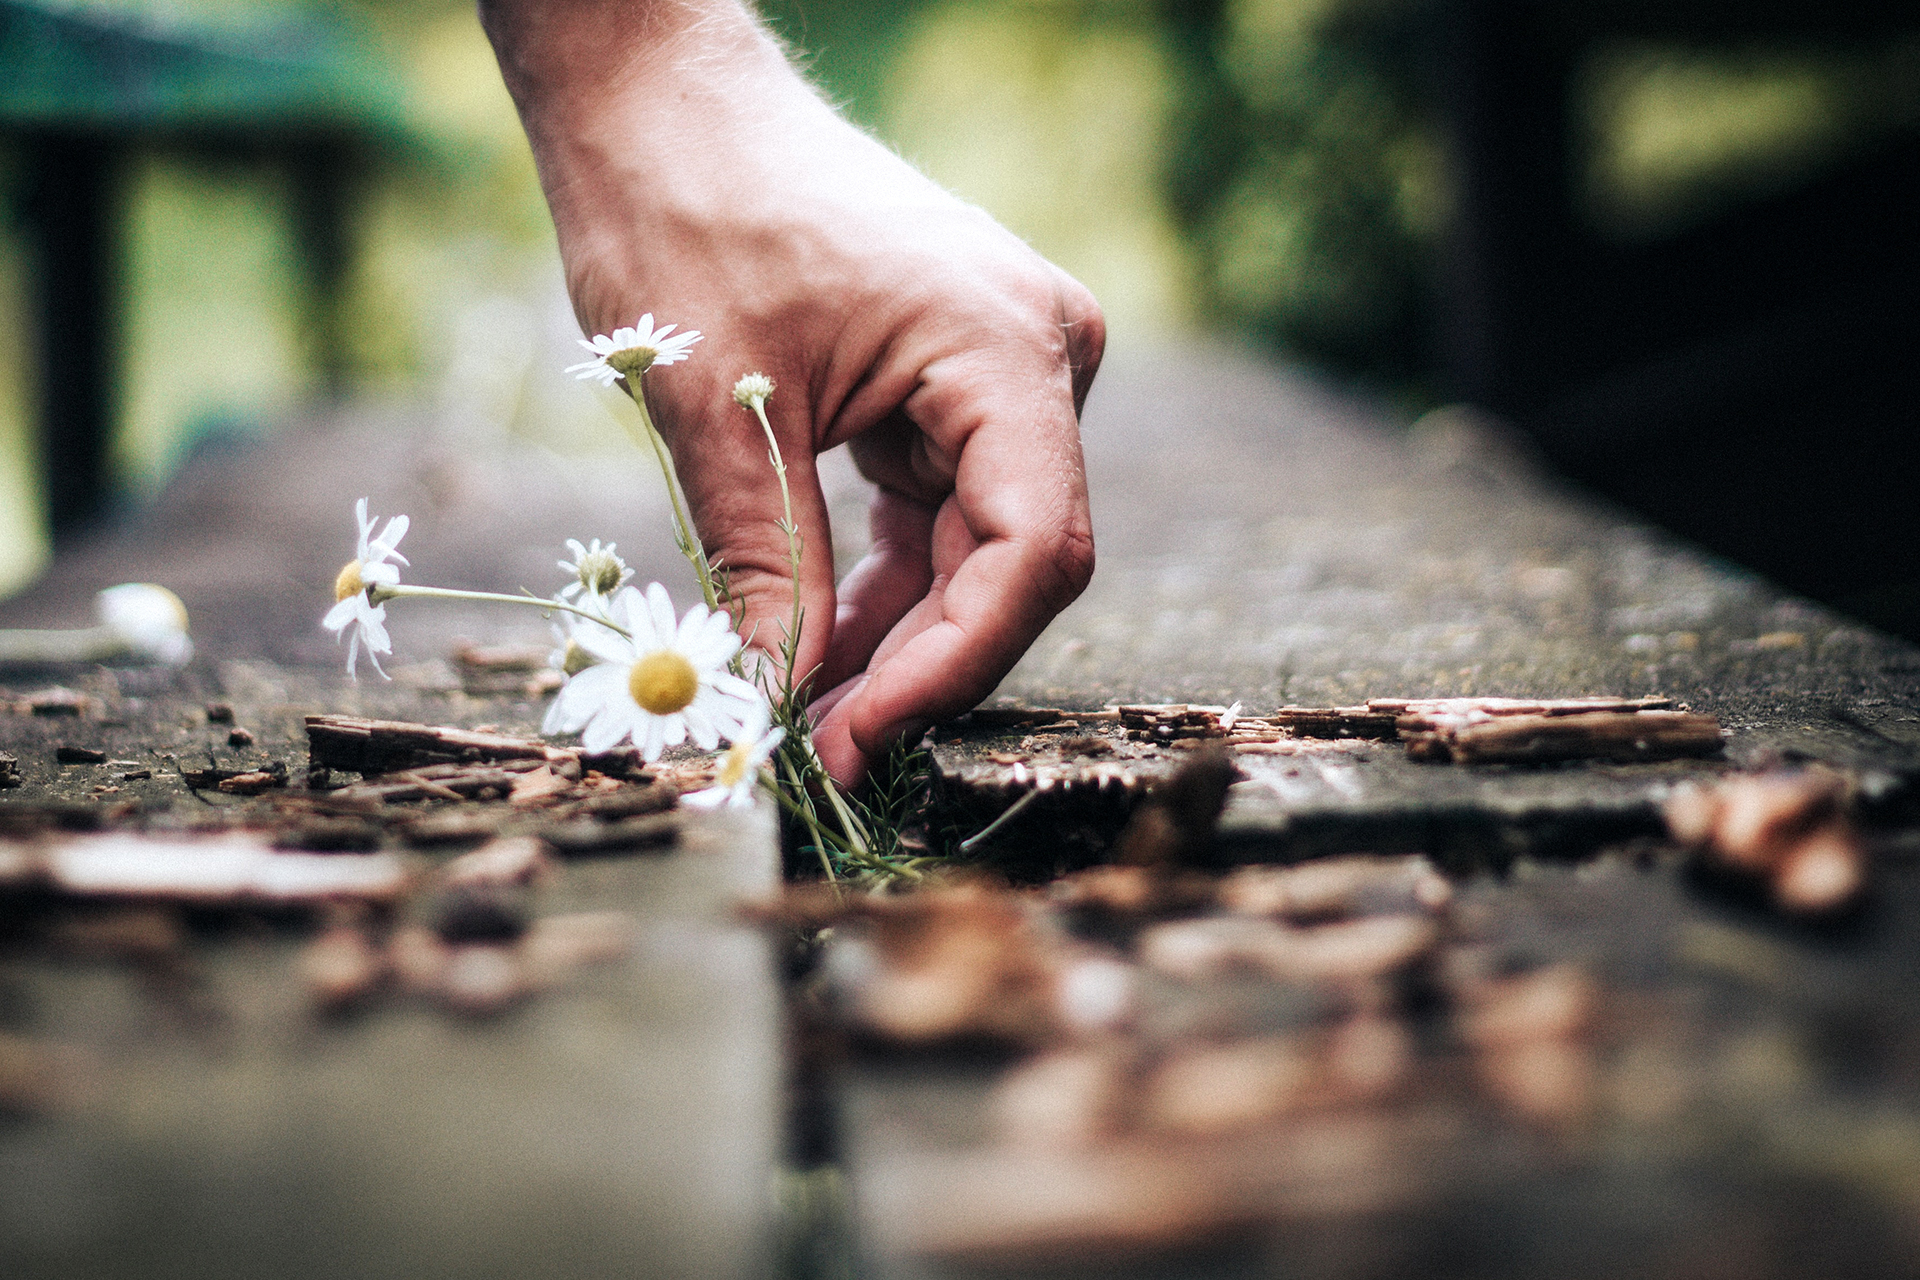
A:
[1591,735]
[385,746]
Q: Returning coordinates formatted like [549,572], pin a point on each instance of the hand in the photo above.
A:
[694,175]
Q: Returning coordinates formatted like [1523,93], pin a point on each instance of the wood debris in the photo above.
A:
[254,782]
[1420,714]
[1533,738]
[441,782]
[508,860]
[1461,730]
[9,771]
[1331,888]
[493,669]
[386,746]
[1175,823]
[484,976]
[1788,830]
[54,701]
[1529,1035]
[587,837]
[237,869]
[342,967]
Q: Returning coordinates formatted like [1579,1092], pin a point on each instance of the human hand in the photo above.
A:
[693,174]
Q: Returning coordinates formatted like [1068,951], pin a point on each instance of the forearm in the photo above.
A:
[555,52]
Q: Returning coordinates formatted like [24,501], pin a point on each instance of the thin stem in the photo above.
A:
[683,528]
[804,811]
[1011,812]
[851,826]
[759,406]
[403,589]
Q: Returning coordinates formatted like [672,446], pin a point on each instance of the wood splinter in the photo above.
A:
[389,746]
[1589,735]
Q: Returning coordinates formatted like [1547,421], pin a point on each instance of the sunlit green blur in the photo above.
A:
[1261,166]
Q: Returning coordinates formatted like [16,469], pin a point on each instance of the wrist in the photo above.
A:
[565,61]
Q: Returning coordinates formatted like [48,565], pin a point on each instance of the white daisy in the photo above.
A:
[668,683]
[751,387]
[739,768]
[149,620]
[596,570]
[353,609]
[568,655]
[628,353]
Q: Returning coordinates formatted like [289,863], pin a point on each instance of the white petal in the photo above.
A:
[373,631]
[396,529]
[691,625]
[660,607]
[711,653]
[608,646]
[604,731]
[675,728]
[582,697]
[732,686]
[700,727]
[654,742]
[385,574]
[341,614]
[711,798]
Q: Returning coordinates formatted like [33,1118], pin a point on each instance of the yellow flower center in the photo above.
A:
[631,362]
[733,766]
[349,583]
[663,682]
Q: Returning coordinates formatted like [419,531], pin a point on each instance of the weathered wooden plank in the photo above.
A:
[221,1123]
[1265,544]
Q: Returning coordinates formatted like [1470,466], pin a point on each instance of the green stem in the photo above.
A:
[850,826]
[759,405]
[1011,812]
[804,811]
[683,528]
[401,590]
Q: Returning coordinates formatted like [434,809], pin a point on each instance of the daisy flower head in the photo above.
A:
[667,683]
[354,610]
[751,387]
[596,570]
[148,619]
[569,656]
[628,353]
[740,767]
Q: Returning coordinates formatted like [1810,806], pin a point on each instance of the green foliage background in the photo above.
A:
[1255,167]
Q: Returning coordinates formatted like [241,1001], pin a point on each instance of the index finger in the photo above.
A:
[1007,417]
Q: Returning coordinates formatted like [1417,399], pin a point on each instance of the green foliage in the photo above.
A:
[1306,174]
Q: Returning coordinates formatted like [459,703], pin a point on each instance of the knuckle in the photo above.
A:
[1066,565]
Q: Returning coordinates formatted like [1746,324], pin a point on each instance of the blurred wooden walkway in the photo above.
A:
[1748,1105]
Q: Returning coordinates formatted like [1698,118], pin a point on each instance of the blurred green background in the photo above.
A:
[1255,167]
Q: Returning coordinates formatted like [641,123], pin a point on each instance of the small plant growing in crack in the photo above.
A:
[637,671]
